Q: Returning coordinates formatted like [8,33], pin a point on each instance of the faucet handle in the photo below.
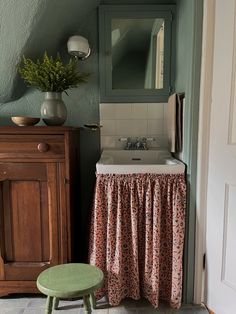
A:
[123,139]
[143,143]
[138,145]
[128,141]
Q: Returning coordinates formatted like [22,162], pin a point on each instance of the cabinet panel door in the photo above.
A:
[28,219]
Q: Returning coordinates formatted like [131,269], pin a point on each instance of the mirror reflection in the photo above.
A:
[137,53]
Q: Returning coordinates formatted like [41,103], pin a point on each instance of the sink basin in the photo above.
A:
[138,161]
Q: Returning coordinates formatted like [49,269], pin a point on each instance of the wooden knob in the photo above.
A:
[43,147]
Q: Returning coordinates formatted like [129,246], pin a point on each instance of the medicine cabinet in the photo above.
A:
[136,52]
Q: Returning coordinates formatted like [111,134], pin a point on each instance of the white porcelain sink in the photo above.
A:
[138,161]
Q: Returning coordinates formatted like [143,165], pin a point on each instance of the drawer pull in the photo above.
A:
[43,147]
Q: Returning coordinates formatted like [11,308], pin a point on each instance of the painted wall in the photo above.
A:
[30,27]
[40,33]
[188,65]
[138,1]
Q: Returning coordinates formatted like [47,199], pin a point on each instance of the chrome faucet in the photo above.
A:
[137,143]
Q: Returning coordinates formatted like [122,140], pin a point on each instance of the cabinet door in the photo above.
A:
[29,205]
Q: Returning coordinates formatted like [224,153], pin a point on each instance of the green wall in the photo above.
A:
[30,27]
[188,66]
[138,1]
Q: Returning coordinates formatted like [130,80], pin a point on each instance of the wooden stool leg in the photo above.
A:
[93,301]
[49,305]
[55,303]
[87,305]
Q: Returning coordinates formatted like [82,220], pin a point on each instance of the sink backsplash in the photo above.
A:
[131,120]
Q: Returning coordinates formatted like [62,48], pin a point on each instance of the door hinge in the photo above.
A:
[171,16]
[204,261]
[170,89]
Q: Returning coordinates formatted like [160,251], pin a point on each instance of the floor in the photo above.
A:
[36,304]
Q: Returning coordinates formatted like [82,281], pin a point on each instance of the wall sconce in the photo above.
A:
[78,46]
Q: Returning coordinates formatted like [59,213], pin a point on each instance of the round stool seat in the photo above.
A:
[70,280]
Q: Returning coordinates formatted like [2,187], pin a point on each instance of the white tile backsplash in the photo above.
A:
[131,127]
[155,111]
[107,111]
[108,127]
[108,141]
[155,126]
[124,127]
[132,120]
[139,111]
[123,111]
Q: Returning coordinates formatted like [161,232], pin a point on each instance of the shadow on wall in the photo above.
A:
[38,25]
[30,27]
[87,183]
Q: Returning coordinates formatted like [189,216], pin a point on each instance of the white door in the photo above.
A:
[221,191]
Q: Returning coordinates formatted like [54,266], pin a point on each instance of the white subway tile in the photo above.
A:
[139,111]
[164,141]
[155,142]
[139,127]
[160,141]
[108,141]
[165,125]
[123,127]
[155,126]
[107,111]
[132,127]
[123,111]
[108,127]
[119,144]
[155,111]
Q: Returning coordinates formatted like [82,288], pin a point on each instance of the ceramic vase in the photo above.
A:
[53,109]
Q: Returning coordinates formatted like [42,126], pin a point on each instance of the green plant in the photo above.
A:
[51,74]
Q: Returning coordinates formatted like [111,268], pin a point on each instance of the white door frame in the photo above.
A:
[203,145]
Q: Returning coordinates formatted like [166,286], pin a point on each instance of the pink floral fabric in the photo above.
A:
[137,236]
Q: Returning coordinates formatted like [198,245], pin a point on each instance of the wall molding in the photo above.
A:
[191,147]
[203,145]
[232,111]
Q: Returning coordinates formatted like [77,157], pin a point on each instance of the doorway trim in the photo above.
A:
[203,146]
[191,145]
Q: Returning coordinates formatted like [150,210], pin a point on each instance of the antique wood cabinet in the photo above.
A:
[38,180]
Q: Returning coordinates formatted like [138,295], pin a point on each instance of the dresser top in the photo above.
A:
[37,129]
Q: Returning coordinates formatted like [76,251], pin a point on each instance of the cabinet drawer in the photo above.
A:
[32,146]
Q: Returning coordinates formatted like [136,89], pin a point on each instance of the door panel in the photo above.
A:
[229,238]
[29,219]
[25,221]
[221,192]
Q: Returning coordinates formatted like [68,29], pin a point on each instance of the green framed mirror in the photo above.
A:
[136,49]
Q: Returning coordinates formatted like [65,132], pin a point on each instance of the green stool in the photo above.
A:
[70,281]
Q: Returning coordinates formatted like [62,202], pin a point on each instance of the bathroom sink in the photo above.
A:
[138,161]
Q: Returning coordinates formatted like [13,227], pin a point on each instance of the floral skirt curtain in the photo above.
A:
[137,236]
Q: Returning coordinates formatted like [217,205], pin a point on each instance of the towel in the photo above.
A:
[175,122]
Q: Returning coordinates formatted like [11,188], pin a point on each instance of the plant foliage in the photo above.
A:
[51,74]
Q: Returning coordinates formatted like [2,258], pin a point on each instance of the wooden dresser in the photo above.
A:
[38,184]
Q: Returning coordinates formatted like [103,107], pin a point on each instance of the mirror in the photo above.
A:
[136,52]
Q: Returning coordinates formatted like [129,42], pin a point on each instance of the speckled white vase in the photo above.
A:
[53,109]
